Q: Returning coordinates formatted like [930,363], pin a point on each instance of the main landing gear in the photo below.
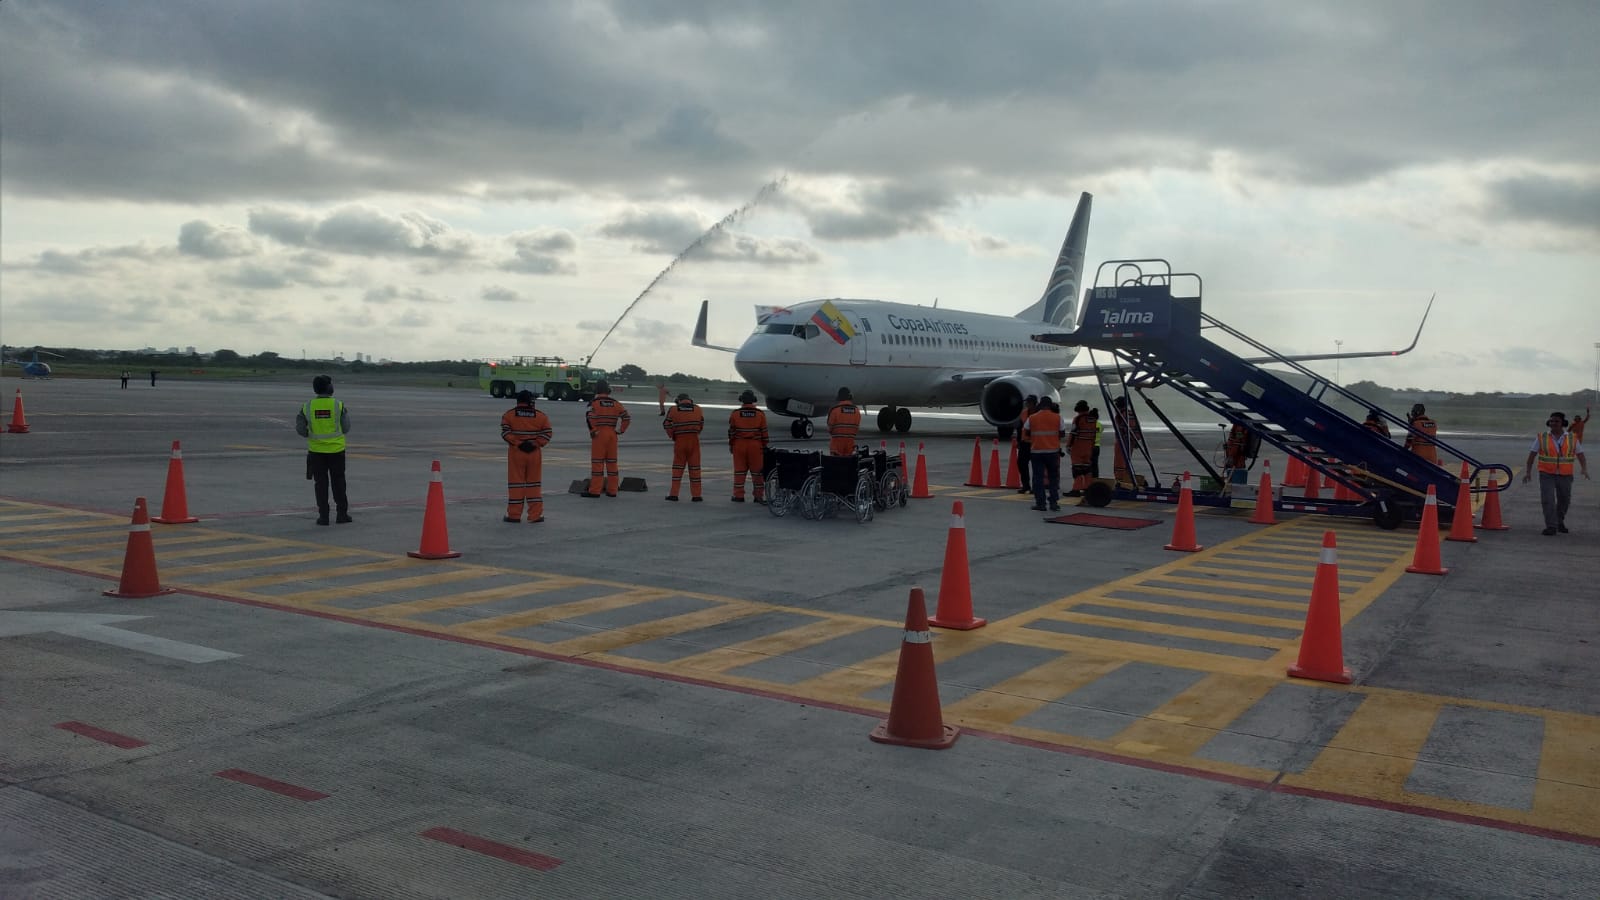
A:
[894,418]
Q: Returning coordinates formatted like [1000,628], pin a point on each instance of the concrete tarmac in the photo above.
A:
[646,699]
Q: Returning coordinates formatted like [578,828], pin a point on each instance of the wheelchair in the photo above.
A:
[888,479]
[786,472]
[840,483]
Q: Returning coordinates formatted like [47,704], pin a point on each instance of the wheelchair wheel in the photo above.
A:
[863,498]
[810,498]
[778,499]
[893,489]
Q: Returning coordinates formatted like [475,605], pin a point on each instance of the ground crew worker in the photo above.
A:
[844,424]
[525,430]
[125,375]
[1024,447]
[1236,447]
[607,419]
[747,438]
[1129,437]
[683,424]
[1044,432]
[1425,432]
[323,422]
[1080,445]
[1578,424]
[1094,461]
[661,396]
[1555,450]
[1375,423]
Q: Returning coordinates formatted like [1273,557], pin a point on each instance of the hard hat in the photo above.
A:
[322,384]
[844,394]
[525,397]
[747,397]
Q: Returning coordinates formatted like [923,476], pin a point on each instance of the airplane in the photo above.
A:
[35,368]
[895,355]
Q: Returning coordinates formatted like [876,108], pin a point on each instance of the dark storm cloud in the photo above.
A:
[541,253]
[209,241]
[1566,203]
[210,100]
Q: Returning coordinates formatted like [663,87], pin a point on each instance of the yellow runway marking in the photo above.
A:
[1188,721]
[1373,753]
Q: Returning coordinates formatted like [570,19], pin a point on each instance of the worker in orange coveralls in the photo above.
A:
[844,424]
[747,438]
[1080,446]
[525,430]
[683,424]
[607,420]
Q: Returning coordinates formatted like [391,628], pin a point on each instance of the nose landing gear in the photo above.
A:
[801,429]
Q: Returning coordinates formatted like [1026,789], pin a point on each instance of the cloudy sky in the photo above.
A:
[435,180]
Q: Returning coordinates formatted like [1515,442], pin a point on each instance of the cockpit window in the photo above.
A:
[783,328]
[810,331]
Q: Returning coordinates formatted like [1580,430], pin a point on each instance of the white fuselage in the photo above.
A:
[901,354]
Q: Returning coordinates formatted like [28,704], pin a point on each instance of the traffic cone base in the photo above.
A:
[175,501]
[139,578]
[914,716]
[19,420]
[435,533]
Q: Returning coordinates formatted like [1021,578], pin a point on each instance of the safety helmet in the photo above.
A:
[600,387]
[747,397]
[322,384]
[525,397]
[844,394]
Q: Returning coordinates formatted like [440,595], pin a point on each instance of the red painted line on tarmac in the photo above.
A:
[1087,753]
[272,784]
[102,735]
[495,849]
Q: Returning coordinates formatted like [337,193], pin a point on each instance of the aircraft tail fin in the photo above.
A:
[1059,304]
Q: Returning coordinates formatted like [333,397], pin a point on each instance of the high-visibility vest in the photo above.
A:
[323,416]
[1556,459]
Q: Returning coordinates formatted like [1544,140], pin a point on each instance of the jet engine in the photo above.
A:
[1001,403]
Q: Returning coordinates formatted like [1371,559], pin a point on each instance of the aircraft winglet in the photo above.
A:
[699,339]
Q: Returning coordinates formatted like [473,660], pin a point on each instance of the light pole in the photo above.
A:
[1338,346]
[1597,373]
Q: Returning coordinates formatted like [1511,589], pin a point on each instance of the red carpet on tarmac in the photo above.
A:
[1097,521]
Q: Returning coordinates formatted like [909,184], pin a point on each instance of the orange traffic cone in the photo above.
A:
[976,478]
[1313,484]
[1013,480]
[994,465]
[19,421]
[1491,508]
[1263,514]
[1322,643]
[435,534]
[955,584]
[1425,559]
[175,505]
[1183,525]
[1294,474]
[914,716]
[139,577]
[1461,516]
[919,484]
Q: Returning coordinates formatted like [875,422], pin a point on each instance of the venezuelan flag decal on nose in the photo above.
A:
[833,322]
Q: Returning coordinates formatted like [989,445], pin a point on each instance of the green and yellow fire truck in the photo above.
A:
[550,377]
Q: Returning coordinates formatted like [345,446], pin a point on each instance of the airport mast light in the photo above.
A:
[1338,347]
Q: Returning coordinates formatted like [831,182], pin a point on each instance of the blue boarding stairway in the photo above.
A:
[1155,339]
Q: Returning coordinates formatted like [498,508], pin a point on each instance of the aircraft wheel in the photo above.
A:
[886,419]
[806,429]
[1097,494]
[794,430]
[902,420]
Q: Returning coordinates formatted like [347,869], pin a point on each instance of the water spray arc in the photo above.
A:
[766,192]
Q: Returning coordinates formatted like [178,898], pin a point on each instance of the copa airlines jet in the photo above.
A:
[895,355]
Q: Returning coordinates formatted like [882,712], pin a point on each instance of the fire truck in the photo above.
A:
[550,377]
